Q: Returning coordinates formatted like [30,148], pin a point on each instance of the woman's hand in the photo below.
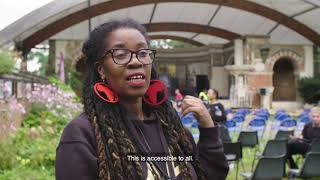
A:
[195,105]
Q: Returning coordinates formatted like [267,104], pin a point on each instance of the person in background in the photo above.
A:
[218,114]
[310,134]
[178,98]
[216,108]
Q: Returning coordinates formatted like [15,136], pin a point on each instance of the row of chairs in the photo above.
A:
[283,119]
[273,157]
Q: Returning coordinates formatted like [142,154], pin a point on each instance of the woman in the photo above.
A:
[178,98]
[310,134]
[218,114]
[127,113]
[216,109]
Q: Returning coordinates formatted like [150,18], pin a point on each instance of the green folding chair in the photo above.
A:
[233,153]
[315,147]
[268,168]
[274,148]
[310,168]
[249,139]
[284,134]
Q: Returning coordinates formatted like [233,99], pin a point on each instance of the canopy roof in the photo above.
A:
[200,22]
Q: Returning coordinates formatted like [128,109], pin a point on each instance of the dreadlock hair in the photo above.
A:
[113,130]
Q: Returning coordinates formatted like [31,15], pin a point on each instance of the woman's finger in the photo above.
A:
[190,109]
[192,102]
[192,98]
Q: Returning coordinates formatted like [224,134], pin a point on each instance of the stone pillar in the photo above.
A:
[51,66]
[266,99]
[308,61]
[238,52]
[219,80]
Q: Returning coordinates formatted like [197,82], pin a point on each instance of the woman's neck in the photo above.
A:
[212,101]
[134,106]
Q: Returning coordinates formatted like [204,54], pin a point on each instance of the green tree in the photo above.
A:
[42,58]
[7,62]
[169,44]
[309,89]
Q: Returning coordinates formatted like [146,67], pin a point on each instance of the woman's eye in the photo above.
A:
[143,53]
[120,54]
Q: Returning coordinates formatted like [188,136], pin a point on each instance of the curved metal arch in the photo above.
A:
[177,38]
[109,6]
[189,27]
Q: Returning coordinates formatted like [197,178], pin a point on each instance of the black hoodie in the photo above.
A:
[77,150]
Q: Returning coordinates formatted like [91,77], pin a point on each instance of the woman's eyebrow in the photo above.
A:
[141,45]
[137,46]
[118,46]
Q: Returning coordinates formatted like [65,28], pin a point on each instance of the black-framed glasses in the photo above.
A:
[124,56]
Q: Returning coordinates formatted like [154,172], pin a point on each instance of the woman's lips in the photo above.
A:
[136,79]
[136,82]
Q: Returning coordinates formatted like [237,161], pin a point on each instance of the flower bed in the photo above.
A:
[29,153]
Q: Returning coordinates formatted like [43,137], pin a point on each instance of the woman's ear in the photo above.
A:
[100,69]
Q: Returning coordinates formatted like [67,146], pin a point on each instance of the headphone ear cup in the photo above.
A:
[156,94]
[105,92]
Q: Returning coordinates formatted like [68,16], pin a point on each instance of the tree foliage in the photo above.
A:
[169,44]
[7,63]
[309,89]
[42,60]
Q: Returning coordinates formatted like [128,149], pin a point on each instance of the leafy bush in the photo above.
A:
[54,80]
[8,151]
[75,80]
[7,63]
[23,173]
[34,116]
[30,152]
[309,89]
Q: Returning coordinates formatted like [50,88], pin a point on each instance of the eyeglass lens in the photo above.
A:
[123,56]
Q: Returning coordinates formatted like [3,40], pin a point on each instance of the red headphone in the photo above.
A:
[156,94]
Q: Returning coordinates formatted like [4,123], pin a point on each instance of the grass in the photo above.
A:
[248,154]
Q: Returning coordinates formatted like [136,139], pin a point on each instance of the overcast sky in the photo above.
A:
[12,10]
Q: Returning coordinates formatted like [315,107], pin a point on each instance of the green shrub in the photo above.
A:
[23,173]
[54,80]
[8,155]
[40,115]
[33,119]
[74,79]
[36,152]
[309,89]
[7,63]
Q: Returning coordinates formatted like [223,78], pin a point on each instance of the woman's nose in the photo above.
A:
[134,62]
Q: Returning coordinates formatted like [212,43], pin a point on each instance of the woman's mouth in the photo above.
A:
[137,79]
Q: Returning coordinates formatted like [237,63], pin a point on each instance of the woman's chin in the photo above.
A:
[135,94]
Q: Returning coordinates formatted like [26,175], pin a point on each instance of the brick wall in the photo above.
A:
[256,81]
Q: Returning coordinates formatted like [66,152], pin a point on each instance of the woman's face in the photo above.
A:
[211,94]
[315,116]
[132,80]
